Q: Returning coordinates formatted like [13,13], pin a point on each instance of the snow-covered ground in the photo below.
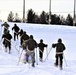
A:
[50,34]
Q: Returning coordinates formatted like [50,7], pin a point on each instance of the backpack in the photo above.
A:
[60,47]
[31,44]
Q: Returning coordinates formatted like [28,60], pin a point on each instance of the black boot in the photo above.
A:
[60,67]
[56,64]
[27,60]
[33,65]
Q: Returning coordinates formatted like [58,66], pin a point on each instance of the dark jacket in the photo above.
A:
[6,25]
[31,44]
[60,47]
[16,28]
[7,36]
[24,37]
[41,46]
[21,32]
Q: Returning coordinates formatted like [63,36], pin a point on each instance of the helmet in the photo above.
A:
[5,22]
[41,40]
[31,36]
[59,40]
[24,32]
[15,25]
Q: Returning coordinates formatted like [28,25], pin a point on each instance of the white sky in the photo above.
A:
[16,6]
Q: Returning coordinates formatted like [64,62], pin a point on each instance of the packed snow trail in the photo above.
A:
[50,34]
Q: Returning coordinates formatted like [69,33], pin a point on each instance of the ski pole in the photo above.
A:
[40,51]
[36,57]
[0,42]
[65,61]
[1,30]
[48,54]
[20,57]
[16,48]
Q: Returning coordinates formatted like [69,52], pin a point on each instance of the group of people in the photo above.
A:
[28,43]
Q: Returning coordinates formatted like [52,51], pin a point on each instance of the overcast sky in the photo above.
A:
[16,6]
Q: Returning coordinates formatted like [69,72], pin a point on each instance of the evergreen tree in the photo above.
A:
[30,16]
[69,20]
[43,18]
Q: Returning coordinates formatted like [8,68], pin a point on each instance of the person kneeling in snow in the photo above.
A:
[31,44]
[60,47]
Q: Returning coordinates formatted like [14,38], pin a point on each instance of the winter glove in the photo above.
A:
[1,24]
[53,45]
[46,45]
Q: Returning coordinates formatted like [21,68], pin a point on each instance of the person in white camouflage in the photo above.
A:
[31,44]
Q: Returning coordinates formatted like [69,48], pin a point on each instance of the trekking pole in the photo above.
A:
[36,57]
[65,61]
[20,57]
[40,51]
[16,49]
[48,54]
[1,31]
[0,43]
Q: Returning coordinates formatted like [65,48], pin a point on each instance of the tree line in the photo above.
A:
[43,18]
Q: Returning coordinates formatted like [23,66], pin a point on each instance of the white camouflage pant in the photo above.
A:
[32,54]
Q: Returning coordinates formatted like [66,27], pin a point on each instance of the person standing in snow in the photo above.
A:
[7,41]
[31,44]
[60,47]
[16,30]
[20,34]
[6,26]
[41,46]
[24,38]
